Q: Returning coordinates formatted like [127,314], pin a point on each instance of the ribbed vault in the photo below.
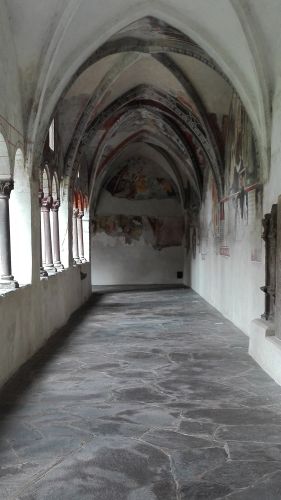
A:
[148,84]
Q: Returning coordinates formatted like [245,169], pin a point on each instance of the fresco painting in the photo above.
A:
[128,228]
[159,232]
[241,160]
[240,211]
[255,223]
[135,182]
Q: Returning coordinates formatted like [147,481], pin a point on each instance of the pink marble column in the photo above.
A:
[45,209]
[6,278]
[80,235]
[43,273]
[75,249]
[56,235]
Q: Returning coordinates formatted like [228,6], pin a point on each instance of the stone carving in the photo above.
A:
[6,186]
[46,203]
[270,237]
[55,205]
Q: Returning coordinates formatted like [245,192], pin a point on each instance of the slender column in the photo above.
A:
[56,236]
[6,279]
[80,235]
[43,273]
[49,266]
[75,236]
[277,316]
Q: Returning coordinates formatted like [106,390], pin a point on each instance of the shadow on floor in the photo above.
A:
[13,391]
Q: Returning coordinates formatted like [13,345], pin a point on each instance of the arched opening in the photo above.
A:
[55,223]
[7,281]
[5,169]
[138,223]
[20,222]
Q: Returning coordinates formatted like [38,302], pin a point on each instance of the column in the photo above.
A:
[278,273]
[45,208]
[6,279]
[80,235]
[43,273]
[75,236]
[56,236]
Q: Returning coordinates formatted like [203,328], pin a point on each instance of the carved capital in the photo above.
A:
[46,203]
[75,213]
[40,197]
[80,214]
[55,205]
[6,187]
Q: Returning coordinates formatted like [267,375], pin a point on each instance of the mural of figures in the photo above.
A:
[241,161]
[158,232]
[136,182]
[242,177]
[128,228]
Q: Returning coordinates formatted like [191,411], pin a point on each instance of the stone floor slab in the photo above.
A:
[144,395]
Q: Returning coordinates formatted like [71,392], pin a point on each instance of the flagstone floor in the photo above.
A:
[146,395]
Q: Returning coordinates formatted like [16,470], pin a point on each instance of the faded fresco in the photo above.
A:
[136,182]
[158,232]
[241,160]
[239,213]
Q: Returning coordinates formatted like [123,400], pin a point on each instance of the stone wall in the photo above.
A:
[31,314]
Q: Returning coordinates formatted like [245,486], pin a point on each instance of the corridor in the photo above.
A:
[143,396]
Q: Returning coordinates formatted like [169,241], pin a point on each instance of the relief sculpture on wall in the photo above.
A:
[270,238]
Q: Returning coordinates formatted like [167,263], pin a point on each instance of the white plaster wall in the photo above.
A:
[116,263]
[31,314]
[133,264]
[231,284]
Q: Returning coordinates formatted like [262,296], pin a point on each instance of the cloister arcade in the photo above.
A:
[140,150]
[149,158]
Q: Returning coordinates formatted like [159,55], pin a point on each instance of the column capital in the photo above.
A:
[80,214]
[46,203]
[6,186]
[55,205]
[40,197]
[75,212]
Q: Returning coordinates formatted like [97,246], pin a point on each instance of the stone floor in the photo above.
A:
[143,396]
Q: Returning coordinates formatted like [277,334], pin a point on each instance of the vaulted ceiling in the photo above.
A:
[152,74]
[149,85]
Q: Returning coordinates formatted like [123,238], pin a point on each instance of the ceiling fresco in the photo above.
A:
[150,84]
[140,179]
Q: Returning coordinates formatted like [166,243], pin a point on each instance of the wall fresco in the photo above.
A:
[158,232]
[241,160]
[138,180]
[239,213]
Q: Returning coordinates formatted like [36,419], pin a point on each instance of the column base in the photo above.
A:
[8,283]
[51,270]
[77,261]
[43,273]
[59,267]
[83,260]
